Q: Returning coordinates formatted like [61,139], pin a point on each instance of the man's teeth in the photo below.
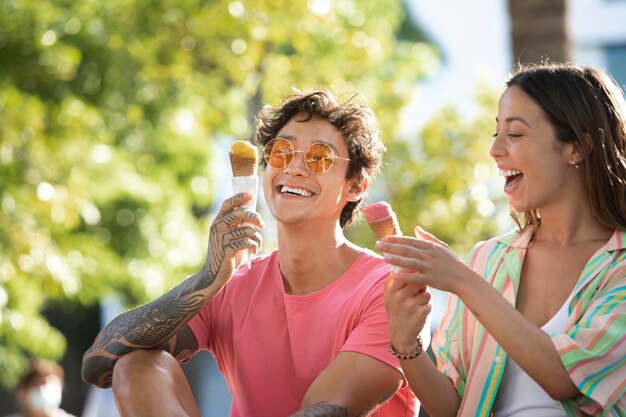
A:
[299,191]
[509,172]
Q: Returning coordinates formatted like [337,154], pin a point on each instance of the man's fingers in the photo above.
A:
[241,216]
[235,201]
[245,237]
[392,284]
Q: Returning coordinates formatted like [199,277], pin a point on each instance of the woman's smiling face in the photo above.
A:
[534,163]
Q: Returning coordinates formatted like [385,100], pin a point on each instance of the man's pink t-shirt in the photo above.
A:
[270,346]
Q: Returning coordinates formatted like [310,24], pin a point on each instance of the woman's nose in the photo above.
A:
[498,149]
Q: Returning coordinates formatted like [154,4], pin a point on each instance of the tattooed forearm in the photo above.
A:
[322,410]
[144,327]
[159,322]
[155,324]
[150,324]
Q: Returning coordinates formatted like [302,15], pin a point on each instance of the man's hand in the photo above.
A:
[234,230]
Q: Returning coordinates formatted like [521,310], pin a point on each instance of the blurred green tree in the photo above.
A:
[109,115]
[443,179]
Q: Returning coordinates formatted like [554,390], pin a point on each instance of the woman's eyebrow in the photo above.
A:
[515,119]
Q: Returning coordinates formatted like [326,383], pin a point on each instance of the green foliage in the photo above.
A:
[443,179]
[109,115]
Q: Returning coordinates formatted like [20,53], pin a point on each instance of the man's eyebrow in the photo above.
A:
[292,138]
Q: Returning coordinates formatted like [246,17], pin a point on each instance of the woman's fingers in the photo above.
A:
[402,242]
[423,234]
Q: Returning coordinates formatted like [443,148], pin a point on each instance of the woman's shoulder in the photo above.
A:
[509,238]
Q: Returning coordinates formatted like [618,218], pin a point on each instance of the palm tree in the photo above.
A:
[539,30]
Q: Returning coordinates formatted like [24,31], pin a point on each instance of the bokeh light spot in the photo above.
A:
[45,191]
[49,38]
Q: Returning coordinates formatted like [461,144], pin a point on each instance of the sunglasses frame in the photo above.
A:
[297,151]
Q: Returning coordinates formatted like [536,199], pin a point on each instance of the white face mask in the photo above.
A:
[45,396]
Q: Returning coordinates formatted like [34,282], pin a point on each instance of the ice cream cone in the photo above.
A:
[381,219]
[383,222]
[385,227]
[244,164]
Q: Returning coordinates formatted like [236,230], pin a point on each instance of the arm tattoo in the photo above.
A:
[145,327]
[151,324]
[155,324]
[322,409]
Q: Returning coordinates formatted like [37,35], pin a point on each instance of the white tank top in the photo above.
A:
[519,395]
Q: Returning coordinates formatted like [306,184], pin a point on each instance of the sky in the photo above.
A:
[471,52]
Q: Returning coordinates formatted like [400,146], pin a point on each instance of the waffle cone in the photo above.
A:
[385,227]
[242,167]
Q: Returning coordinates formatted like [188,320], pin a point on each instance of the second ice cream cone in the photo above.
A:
[386,227]
[381,219]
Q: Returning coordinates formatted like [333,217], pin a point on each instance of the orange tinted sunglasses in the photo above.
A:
[318,158]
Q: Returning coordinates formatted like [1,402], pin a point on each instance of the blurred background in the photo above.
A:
[116,118]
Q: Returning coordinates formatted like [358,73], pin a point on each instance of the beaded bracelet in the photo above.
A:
[407,356]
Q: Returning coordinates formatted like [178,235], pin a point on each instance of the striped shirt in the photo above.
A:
[592,347]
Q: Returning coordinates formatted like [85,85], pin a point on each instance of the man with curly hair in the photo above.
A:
[303,331]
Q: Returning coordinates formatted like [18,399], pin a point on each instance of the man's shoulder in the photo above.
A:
[259,264]
[370,259]
[370,267]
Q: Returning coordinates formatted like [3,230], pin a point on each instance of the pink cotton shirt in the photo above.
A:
[270,346]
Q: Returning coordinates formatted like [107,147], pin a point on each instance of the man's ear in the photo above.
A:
[356,189]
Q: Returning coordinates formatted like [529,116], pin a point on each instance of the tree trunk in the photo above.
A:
[539,31]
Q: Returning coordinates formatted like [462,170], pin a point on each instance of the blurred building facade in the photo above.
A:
[599,35]
[475,43]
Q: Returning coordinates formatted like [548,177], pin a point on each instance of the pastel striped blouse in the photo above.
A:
[592,348]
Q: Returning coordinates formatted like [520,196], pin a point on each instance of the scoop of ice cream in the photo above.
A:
[377,211]
[243,158]
[381,219]
[244,149]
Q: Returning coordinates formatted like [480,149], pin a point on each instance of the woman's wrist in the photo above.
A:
[466,283]
[410,353]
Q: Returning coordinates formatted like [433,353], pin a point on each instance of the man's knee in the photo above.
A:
[142,368]
[152,383]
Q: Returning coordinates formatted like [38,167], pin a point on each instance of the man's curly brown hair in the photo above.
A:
[354,120]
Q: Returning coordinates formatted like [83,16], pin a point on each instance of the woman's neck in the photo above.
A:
[570,225]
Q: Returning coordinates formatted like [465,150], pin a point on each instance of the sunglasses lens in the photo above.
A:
[278,153]
[319,158]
